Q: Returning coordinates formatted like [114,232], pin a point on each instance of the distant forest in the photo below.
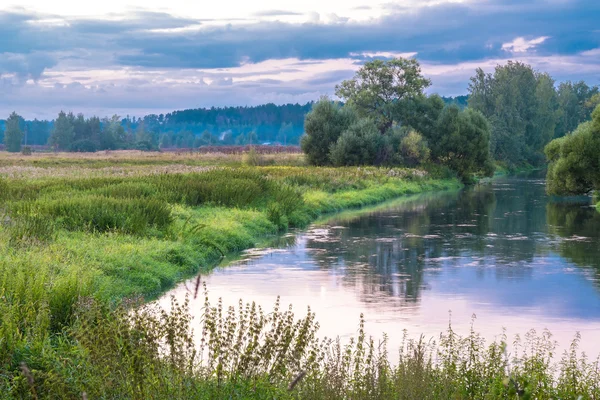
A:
[264,124]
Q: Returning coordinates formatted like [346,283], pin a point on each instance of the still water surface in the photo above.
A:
[505,253]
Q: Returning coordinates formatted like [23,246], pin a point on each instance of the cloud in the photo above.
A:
[25,66]
[154,60]
[276,13]
[521,45]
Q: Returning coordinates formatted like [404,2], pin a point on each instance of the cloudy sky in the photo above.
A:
[151,56]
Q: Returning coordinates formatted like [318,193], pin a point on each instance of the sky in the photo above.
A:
[135,57]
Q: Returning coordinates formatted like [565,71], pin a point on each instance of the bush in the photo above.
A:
[360,144]
[323,126]
[413,149]
[574,161]
[84,146]
[254,159]
[26,151]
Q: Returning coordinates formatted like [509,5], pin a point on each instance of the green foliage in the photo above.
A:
[84,146]
[246,352]
[360,144]
[63,132]
[422,112]
[461,141]
[414,149]
[379,86]
[71,248]
[574,160]
[26,151]
[324,124]
[254,159]
[526,111]
[13,135]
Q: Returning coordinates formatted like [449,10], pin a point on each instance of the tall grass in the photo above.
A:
[74,249]
[248,353]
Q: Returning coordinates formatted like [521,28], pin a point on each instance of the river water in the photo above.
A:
[502,255]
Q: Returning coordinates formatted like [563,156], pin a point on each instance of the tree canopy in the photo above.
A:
[379,87]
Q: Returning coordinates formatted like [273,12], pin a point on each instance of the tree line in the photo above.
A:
[269,123]
[509,116]
[525,110]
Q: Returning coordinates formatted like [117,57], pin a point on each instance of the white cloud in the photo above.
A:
[385,54]
[521,45]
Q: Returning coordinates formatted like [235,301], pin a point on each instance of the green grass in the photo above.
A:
[80,253]
[107,239]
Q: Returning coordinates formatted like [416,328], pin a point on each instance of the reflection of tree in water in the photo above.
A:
[385,254]
[579,226]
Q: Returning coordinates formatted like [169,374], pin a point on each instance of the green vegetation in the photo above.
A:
[246,353]
[526,111]
[388,120]
[13,135]
[76,243]
[574,162]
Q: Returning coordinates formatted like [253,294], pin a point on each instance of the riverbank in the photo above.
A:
[114,232]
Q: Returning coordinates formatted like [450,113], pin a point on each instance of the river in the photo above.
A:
[498,256]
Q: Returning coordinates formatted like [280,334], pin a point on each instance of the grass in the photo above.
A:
[85,241]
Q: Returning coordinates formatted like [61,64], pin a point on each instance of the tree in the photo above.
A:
[461,141]
[113,135]
[63,132]
[574,160]
[576,102]
[13,135]
[285,132]
[379,87]
[422,112]
[206,139]
[360,144]
[323,126]
[522,107]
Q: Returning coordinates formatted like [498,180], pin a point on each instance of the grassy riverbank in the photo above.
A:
[124,228]
[81,247]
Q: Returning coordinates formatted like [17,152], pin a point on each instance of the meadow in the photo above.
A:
[87,240]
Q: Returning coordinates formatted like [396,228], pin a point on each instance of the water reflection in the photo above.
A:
[505,252]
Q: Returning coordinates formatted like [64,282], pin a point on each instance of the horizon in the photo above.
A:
[138,58]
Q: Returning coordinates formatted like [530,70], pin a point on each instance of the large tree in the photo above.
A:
[522,107]
[461,140]
[379,88]
[13,135]
[63,133]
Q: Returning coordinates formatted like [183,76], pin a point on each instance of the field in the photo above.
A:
[87,240]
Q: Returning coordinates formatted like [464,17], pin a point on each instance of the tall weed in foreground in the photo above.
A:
[245,352]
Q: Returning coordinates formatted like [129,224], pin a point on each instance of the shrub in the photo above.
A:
[413,149]
[254,159]
[574,161]
[323,126]
[360,144]
[26,151]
